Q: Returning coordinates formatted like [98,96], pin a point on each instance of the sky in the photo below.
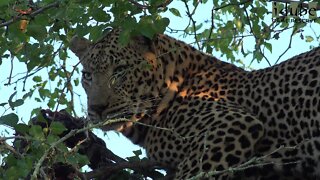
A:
[116,142]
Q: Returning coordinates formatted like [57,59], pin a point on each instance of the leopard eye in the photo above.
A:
[86,75]
[112,81]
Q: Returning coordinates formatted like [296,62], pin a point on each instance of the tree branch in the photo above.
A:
[138,165]
[103,161]
[33,14]
[141,6]
[231,4]
[190,14]
[257,39]
[10,148]
[289,46]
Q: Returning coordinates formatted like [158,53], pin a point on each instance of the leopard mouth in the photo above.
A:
[116,116]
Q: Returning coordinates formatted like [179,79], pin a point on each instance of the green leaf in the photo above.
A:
[77,159]
[16,34]
[22,128]
[124,37]
[16,103]
[96,32]
[41,118]
[209,49]
[11,96]
[146,27]
[257,55]
[298,26]
[44,93]
[268,46]
[12,172]
[28,94]
[25,166]
[76,82]
[32,64]
[199,26]
[37,31]
[37,79]
[57,128]
[4,2]
[82,160]
[175,12]
[52,102]
[100,15]
[136,157]
[62,54]
[36,132]
[137,152]
[161,24]
[309,39]
[35,111]
[9,120]
[52,139]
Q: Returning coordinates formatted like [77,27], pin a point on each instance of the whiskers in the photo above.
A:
[131,107]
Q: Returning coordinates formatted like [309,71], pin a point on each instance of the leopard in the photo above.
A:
[207,118]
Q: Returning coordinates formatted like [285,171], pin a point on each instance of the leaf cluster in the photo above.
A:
[35,36]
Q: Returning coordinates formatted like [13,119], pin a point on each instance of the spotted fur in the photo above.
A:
[203,114]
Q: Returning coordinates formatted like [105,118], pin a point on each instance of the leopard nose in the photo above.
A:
[98,108]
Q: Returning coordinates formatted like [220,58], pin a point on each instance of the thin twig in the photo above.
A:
[2,139]
[10,148]
[66,84]
[256,38]
[142,6]
[61,140]
[289,46]
[190,14]
[28,74]
[211,27]
[33,14]
[11,70]
[231,4]
[314,32]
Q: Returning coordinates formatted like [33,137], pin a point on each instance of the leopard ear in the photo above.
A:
[79,45]
[146,47]
[142,43]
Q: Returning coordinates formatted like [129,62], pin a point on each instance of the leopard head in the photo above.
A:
[119,80]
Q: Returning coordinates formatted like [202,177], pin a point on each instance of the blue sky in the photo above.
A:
[114,141]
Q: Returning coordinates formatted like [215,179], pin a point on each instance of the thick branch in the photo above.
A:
[138,166]
[103,161]
[33,14]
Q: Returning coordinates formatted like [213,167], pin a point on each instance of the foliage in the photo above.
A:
[35,35]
